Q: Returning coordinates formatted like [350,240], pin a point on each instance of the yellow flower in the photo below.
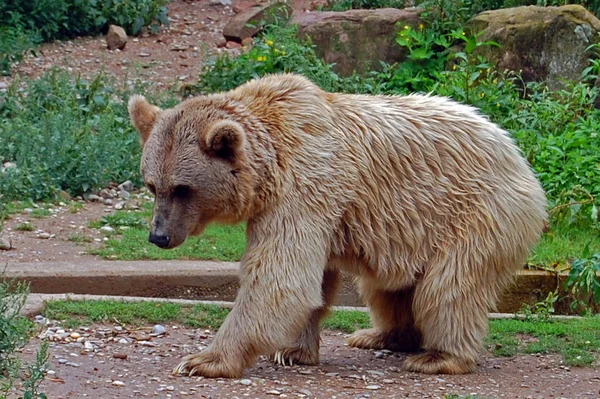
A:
[463,33]
[454,67]
[283,53]
[262,58]
[482,95]
[498,105]
[406,27]
[269,42]
[421,26]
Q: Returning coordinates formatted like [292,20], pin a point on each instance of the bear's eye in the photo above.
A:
[181,192]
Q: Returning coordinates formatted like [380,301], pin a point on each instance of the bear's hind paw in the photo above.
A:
[434,362]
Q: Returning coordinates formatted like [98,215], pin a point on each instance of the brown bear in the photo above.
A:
[429,204]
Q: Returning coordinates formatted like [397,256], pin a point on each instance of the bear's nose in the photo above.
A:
[159,240]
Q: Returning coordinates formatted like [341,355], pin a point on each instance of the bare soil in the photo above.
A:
[119,369]
[68,235]
[174,55]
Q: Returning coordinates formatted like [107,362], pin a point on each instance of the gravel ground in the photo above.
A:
[104,361]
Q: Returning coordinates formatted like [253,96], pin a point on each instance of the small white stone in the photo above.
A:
[118,383]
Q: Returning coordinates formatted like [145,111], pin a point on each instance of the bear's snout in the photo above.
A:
[161,241]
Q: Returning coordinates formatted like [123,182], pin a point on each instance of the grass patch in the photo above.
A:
[227,243]
[40,213]
[79,239]
[224,243]
[576,340]
[564,244]
[25,226]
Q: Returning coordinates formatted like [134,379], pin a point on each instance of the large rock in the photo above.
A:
[249,21]
[545,43]
[357,40]
[116,38]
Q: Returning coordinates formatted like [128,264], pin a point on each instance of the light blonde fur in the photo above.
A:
[429,204]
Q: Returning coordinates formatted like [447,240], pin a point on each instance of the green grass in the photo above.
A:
[78,313]
[227,243]
[25,226]
[564,244]
[576,340]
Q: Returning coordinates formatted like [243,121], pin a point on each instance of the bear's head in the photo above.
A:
[194,162]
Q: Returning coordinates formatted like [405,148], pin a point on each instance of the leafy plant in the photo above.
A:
[66,133]
[583,282]
[14,334]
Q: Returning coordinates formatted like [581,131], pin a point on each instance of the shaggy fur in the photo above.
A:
[430,206]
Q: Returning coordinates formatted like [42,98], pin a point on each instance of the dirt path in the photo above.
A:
[109,364]
[174,55]
[62,236]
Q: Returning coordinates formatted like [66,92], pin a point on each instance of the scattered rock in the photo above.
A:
[122,356]
[91,197]
[158,330]
[250,21]
[144,54]
[123,194]
[44,236]
[373,387]
[545,43]
[116,38]
[246,382]
[107,229]
[5,244]
[357,40]
[118,383]
[247,42]
[127,186]
[139,336]
[233,45]
[119,206]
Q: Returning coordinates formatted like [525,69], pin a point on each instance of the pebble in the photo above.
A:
[273,392]
[246,381]
[120,356]
[75,335]
[5,244]
[373,387]
[158,330]
[118,383]
[44,236]
[120,205]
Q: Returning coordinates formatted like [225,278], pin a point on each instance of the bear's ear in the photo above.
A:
[225,139]
[143,116]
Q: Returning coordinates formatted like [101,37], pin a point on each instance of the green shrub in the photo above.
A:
[65,133]
[14,44]
[25,23]
[15,331]
[62,19]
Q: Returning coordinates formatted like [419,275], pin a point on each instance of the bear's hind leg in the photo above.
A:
[453,319]
[393,321]
[306,348]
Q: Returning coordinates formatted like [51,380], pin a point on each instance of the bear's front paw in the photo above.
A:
[209,363]
[297,355]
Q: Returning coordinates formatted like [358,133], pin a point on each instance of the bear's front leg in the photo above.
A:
[280,287]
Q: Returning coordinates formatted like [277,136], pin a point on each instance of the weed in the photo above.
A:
[79,239]
[14,334]
[583,282]
[65,133]
[25,226]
